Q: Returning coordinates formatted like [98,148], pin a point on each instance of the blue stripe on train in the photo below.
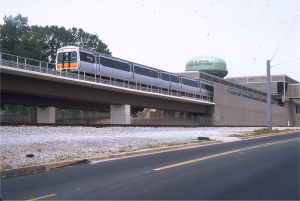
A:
[71,61]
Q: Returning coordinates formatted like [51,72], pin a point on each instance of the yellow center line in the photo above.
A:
[225,153]
[46,196]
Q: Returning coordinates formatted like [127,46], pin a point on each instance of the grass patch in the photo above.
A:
[262,131]
[200,141]
[236,135]
[174,144]
[151,147]
[266,131]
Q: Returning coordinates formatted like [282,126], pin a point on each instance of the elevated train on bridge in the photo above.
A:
[76,59]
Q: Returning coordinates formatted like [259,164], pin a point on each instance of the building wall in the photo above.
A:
[294,90]
[263,86]
[232,110]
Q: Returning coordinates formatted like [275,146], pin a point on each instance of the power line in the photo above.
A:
[285,37]
[286,62]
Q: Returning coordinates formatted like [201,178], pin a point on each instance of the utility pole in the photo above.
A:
[269,111]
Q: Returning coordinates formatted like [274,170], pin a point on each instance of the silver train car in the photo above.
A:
[76,59]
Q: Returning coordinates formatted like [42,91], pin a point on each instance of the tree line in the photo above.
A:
[41,43]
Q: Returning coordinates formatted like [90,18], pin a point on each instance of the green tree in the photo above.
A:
[56,37]
[13,34]
[41,43]
[18,38]
[88,41]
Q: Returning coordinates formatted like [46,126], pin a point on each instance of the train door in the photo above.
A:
[66,60]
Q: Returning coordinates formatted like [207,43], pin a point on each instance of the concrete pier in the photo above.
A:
[120,114]
[45,114]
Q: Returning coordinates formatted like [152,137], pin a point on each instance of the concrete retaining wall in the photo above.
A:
[240,111]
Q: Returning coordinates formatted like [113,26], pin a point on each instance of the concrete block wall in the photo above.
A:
[232,110]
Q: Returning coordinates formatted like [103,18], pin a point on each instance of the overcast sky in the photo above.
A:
[166,34]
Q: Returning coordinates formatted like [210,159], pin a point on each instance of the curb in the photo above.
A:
[268,135]
[43,167]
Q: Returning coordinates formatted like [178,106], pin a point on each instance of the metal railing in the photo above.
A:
[28,115]
[21,114]
[19,62]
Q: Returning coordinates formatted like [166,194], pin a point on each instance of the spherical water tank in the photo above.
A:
[208,64]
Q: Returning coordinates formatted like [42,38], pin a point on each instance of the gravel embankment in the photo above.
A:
[52,144]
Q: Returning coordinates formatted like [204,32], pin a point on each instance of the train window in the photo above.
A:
[195,84]
[90,58]
[82,56]
[73,55]
[174,79]
[60,57]
[66,56]
[207,87]
[192,83]
[146,72]
[165,76]
[87,57]
[153,73]
[115,64]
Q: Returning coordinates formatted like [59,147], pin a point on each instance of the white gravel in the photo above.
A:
[52,144]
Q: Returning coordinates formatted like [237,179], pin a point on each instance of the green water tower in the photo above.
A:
[208,64]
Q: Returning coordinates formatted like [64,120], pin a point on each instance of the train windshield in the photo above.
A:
[60,57]
[66,60]
[66,56]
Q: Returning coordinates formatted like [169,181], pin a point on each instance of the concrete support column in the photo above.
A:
[120,114]
[46,115]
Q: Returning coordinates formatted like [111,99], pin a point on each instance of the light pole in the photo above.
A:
[269,112]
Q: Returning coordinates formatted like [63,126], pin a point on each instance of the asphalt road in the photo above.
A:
[257,169]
